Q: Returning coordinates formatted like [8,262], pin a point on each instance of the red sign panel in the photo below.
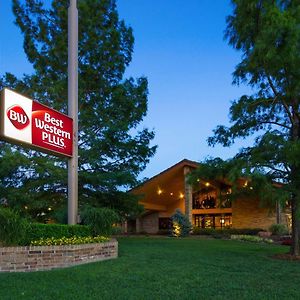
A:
[26,121]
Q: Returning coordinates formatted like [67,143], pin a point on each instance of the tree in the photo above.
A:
[267,32]
[113,149]
[181,225]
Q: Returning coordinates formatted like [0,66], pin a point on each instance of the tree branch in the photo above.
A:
[275,123]
[281,100]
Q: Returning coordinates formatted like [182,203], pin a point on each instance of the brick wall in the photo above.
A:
[36,258]
[248,213]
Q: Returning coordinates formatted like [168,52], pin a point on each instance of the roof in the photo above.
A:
[181,164]
[165,188]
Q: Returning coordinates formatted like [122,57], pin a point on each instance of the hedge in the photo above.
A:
[42,231]
[227,232]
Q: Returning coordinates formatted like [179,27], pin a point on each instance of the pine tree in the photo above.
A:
[113,149]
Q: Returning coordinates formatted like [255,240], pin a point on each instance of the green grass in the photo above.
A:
[167,268]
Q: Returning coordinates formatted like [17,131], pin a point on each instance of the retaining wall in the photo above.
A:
[37,258]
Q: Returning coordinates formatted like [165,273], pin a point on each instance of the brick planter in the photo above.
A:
[37,258]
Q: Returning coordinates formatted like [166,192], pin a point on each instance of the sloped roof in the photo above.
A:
[181,164]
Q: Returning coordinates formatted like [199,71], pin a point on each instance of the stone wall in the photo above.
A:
[248,213]
[149,223]
[37,258]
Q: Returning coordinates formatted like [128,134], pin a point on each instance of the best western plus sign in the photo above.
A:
[26,121]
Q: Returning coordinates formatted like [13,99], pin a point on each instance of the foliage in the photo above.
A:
[225,232]
[251,238]
[13,227]
[181,225]
[74,240]
[113,148]
[278,229]
[116,230]
[37,231]
[101,220]
[268,35]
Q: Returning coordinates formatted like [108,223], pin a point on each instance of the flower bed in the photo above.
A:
[37,258]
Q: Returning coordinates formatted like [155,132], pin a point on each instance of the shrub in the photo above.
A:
[13,227]
[204,231]
[116,230]
[278,229]
[226,232]
[75,240]
[250,238]
[100,220]
[181,225]
[43,231]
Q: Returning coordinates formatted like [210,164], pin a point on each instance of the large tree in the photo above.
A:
[267,33]
[113,149]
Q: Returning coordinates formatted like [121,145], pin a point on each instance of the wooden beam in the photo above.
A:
[153,206]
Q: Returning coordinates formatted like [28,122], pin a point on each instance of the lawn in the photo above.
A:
[167,268]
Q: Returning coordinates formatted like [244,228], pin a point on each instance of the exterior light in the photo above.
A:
[49,208]
[207,184]
[181,196]
[245,184]
[171,194]
[159,191]
[198,180]
[251,187]
[26,207]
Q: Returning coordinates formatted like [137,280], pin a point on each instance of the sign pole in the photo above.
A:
[73,110]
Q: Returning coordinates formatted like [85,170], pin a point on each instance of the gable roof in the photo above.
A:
[181,164]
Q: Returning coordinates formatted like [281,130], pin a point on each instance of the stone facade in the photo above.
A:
[248,213]
[149,223]
[37,258]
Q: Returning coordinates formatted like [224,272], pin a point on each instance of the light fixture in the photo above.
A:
[207,184]
[171,194]
[198,180]
[181,196]
[159,191]
[49,208]
[245,184]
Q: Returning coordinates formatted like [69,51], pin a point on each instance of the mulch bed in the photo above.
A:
[286,256]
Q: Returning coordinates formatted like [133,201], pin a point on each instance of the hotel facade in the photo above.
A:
[162,194]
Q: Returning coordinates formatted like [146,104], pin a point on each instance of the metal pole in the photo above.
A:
[73,110]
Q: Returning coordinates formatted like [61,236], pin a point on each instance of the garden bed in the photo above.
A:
[37,258]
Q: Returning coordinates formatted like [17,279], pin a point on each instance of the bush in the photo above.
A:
[43,231]
[13,227]
[278,229]
[181,225]
[226,233]
[75,240]
[100,220]
[250,238]
[116,230]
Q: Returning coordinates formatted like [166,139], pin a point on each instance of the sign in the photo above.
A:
[26,121]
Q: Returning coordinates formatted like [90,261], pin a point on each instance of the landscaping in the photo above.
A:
[167,268]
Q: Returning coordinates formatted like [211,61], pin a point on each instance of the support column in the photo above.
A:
[188,193]
[138,225]
[125,226]
[278,213]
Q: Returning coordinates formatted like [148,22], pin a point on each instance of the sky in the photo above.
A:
[180,48]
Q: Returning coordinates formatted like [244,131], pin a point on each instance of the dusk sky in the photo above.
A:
[179,47]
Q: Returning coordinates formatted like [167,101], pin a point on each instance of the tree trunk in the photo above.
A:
[295,178]
[295,247]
